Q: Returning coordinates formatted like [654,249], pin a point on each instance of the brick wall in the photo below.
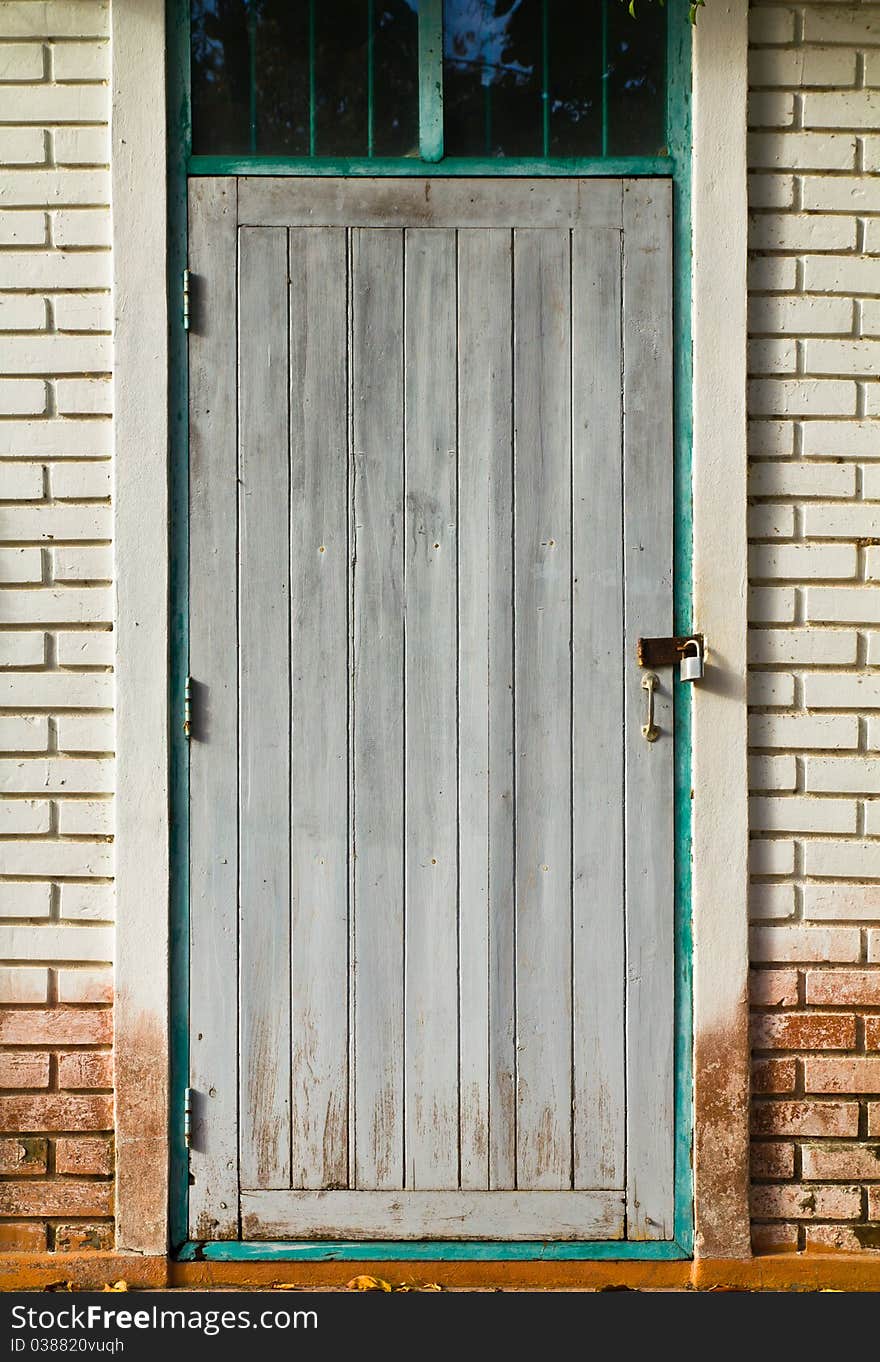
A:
[56,683]
[815,615]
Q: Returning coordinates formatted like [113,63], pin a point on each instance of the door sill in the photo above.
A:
[397,1251]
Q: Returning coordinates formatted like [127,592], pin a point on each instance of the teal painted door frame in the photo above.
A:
[180,165]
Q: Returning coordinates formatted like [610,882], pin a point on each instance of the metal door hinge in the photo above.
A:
[187,708]
[187,1117]
[186,300]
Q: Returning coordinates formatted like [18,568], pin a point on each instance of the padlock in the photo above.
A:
[691,663]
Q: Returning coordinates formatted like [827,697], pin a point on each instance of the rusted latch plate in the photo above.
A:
[665,652]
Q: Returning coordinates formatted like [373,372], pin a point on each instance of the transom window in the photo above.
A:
[427,79]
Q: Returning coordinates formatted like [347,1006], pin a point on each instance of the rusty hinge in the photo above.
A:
[187,1117]
[186,300]
[187,708]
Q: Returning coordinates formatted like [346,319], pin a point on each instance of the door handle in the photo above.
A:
[650,731]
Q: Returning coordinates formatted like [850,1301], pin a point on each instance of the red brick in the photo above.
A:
[774,1238]
[804,1031]
[821,1238]
[773,987]
[83,1236]
[844,987]
[56,1197]
[56,1112]
[805,1118]
[872,1033]
[56,1025]
[806,1203]
[772,1160]
[85,1069]
[774,1075]
[874,1118]
[874,1203]
[86,1155]
[23,1155]
[24,1069]
[16,1238]
[842,1075]
[850,1163]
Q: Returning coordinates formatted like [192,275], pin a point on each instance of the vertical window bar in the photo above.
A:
[430,79]
[370,78]
[604,85]
[311,77]
[252,76]
[545,78]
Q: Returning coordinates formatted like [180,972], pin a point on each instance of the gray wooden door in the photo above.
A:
[431,853]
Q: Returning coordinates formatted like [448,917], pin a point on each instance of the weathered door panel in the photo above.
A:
[431,851]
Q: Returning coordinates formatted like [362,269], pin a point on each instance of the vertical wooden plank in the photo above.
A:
[264,710]
[377,761]
[648,502]
[597,718]
[431,703]
[213,603]
[542,500]
[319,706]
[485,682]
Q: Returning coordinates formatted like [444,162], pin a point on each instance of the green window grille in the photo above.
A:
[428,79]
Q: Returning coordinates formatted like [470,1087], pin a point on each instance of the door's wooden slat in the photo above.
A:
[319,707]
[648,498]
[213,596]
[542,615]
[597,719]
[431,804]
[485,681]
[378,794]
[264,680]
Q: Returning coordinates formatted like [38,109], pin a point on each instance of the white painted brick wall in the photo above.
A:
[56,683]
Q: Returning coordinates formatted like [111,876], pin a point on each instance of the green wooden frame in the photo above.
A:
[182,164]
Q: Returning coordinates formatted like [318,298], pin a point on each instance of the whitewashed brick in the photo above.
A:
[802,397]
[771,110]
[81,227]
[54,19]
[23,229]
[55,690]
[46,104]
[872,574]
[769,901]
[802,151]
[58,775]
[91,311]
[801,562]
[842,775]
[823,731]
[773,273]
[18,816]
[872,399]
[778,356]
[53,942]
[22,312]
[837,439]
[842,690]
[799,647]
[861,357]
[22,397]
[25,899]
[39,857]
[84,146]
[801,232]
[24,147]
[785,813]
[836,521]
[54,269]
[23,985]
[85,817]
[768,857]
[770,25]
[769,689]
[22,649]
[87,902]
[770,520]
[841,193]
[772,773]
[843,605]
[21,482]
[801,316]
[59,605]
[39,353]
[841,23]
[85,648]
[841,902]
[842,274]
[24,733]
[871,317]
[54,188]
[872,817]
[85,985]
[20,565]
[873,658]
[58,523]
[21,62]
[80,481]
[56,439]
[871,154]
[771,191]
[80,61]
[842,860]
[800,479]
[79,396]
[771,604]
[86,733]
[92,564]
[842,109]
[804,944]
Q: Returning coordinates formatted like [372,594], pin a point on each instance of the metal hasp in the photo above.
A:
[665,652]
[187,708]
[650,731]
[187,1117]
[186,300]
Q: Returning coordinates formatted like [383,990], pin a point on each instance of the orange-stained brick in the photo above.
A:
[24,1069]
[842,1075]
[77,1238]
[805,1118]
[85,1069]
[773,987]
[804,1031]
[56,1197]
[872,1033]
[774,1238]
[56,1112]
[849,1163]
[22,1238]
[874,1203]
[821,1238]
[772,1160]
[776,1202]
[844,987]
[56,1026]
[774,1075]
[874,1118]
[85,1155]
[23,1154]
